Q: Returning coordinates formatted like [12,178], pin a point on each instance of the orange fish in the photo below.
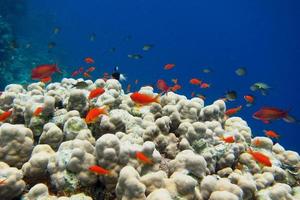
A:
[176,87]
[94,113]
[91,69]
[38,111]
[233,111]
[99,170]
[5,115]
[175,81]
[195,81]
[2,181]
[143,158]
[136,81]
[201,96]
[80,69]
[128,88]
[260,158]
[43,71]
[86,75]
[204,85]
[257,142]
[96,92]
[144,99]
[89,60]
[249,99]
[229,139]
[46,80]
[271,134]
[169,66]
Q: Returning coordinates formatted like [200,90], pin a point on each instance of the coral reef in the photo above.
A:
[172,149]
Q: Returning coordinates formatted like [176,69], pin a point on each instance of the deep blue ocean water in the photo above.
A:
[262,36]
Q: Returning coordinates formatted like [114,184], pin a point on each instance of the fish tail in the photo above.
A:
[290,119]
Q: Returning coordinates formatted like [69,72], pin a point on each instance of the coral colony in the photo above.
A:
[171,149]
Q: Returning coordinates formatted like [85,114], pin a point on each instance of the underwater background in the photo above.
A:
[261,36]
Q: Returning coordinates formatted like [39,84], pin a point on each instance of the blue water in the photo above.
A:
[262,36]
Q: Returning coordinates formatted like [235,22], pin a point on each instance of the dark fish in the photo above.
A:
[113,49]
[56,30]
[80,85]
[93,37]
[117,75]
[51,45]
[147,47]
[14,44]
[242,71]
[231,95]
[135,56]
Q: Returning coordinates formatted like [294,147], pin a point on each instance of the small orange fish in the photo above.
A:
[80,69]
[257,142]
[195,81]
[2,181]
[260,158]
[233,111]
[249,99]
[91,69]
[175,87]
[38,111]
[99,170]
[175,80]
[144,99]
[229,139]
[201,96]
[96,92]
[143,158]
[271,134]
[89,60]
[46,80]
[204,85]
[86,75]
[5,115]
[94,113]
[136,81]
[169,66]
[128,88]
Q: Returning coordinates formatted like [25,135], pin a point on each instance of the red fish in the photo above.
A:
[204,85]
[46,80]
[260,158]
[5,115]
[266,114]
[89,60]
[38,111]
[94,113]
[169,66]
[75,73]
[99,170]
[192,94]
[176,87]
[91,69]
[87,75]
[143,158]
[271,134]
[96,92]
[43,71]
[195,81]
[144,99]
[229,139]
[233,111]
[257,142]
[249,99]
[162,86]
[80,69]
[128,88]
